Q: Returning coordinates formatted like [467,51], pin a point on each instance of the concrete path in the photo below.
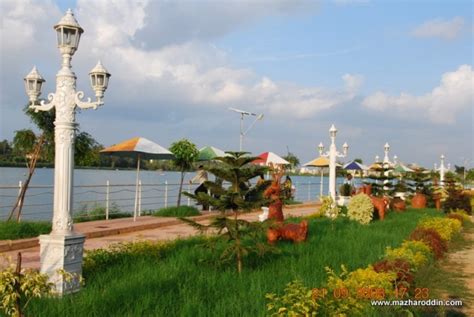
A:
[100,234]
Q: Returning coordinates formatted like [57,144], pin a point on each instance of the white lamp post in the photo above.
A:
[442,170]
[242,132]
[63,248]
[332,154]
[386,148]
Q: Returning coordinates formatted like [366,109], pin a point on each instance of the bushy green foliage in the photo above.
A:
[10,230]
[297,300]
[181,211]
[329,208]
[235,169]
[354,282]
[98,213]
[417,253]
[420,182]
[456,199]
[360,209]
[445,227]
[185,153]
[16,290]
[345,190]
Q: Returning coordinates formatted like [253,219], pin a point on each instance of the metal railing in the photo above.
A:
[116,198]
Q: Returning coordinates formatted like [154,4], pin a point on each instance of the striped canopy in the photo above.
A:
[268,158]
[139,147]
[209,153]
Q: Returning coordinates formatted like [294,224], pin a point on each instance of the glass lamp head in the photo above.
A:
[68,33]
[33,83]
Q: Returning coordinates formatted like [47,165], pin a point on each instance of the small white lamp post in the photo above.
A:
[332,154]
[386,148]
[442,170]
[63,248]
[242,132]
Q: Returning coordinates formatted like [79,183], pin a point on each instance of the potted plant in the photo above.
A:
[439,194]
[345,191]
[420,185]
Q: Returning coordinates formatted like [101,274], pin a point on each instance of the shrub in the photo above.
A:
[432,239]
[345,190]
[360,209]
[400,267]
[10,230]
[417,253]
[16,290]
[355,283]
[297,300]
[456,216]
[181,211]
[461,213]
[329,208]
[445,227]
[457,199]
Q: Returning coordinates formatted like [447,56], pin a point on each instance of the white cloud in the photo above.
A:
[444,29]
[454,94]
[191,72]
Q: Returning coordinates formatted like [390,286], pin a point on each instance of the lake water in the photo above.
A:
[158,189]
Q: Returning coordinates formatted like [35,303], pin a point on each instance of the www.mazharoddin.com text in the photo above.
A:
[415,302]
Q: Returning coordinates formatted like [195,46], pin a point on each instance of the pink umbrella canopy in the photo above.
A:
[268,158]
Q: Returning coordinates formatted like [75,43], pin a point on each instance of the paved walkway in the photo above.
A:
[464,260]
[100,234]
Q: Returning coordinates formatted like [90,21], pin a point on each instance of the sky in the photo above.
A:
[380,71]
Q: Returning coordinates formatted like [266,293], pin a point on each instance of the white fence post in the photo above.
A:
[166,194]
[107,193]
[139,198]
[20,185]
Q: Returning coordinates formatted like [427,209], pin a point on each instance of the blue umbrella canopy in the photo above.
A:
[356,166]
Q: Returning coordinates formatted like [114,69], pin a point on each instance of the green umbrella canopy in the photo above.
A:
[208,153]
[400,168]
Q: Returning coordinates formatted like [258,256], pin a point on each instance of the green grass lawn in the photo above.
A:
[181,211]
[182,283]
[11,230]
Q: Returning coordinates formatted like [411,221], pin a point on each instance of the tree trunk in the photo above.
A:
[18,285]
[31,163]
[178,203]
[237,242]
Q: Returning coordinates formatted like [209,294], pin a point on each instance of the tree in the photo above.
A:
[5,148]
[185,153]
[241,236]
[293,159]
[86,150]
[358,160]
[24,142]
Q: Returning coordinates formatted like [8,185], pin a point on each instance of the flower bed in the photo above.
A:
[350,293]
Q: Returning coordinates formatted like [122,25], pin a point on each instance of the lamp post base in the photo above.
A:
[62,253]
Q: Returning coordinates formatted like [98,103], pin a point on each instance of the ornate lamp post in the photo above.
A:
[332,154]
[63,248]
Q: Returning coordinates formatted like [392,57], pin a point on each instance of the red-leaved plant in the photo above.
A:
[432,239]
[399,266]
